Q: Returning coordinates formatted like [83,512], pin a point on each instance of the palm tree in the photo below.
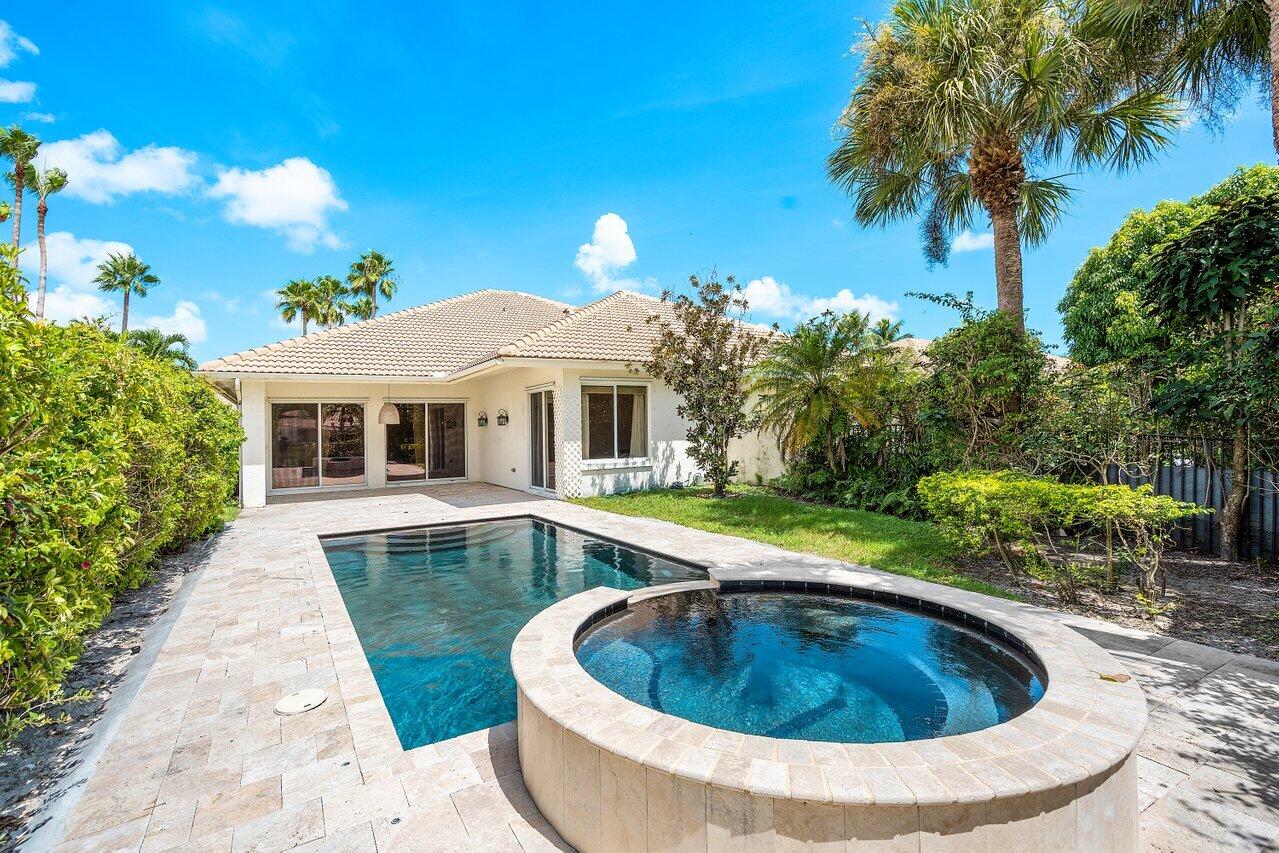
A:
[819,382]
[887,331]
[298,299]
[372,274]
[171,349]
[956,101]
[45,183]
[362,308]
[121,273]
[330,301]
[20,147]
[1212,51]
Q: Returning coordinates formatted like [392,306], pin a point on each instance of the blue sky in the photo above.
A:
[237,146]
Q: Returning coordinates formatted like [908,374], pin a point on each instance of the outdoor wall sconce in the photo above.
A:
[483,419]
[502,417]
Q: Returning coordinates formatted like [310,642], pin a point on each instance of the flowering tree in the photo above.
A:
[703,354]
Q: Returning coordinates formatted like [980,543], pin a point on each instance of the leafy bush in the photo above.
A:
[880,475]
[1036,524]
[106,457]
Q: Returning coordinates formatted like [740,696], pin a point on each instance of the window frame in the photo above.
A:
[616,461]
[319,403]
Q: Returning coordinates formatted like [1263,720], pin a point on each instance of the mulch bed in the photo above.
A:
[35,761]
[1233,606]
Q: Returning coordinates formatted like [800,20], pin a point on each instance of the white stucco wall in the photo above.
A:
[501,454]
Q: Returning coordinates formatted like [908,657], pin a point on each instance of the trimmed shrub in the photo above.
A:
[1035,524]
[107,457]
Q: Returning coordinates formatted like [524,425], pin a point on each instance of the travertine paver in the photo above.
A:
[201,760]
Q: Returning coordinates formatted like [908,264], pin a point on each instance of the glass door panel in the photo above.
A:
[550,439]
[295,445]
[342,437]
[406,444]
[447,440]
[537,441]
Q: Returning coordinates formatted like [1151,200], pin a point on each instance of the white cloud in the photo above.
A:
[101,171]
[967,241]
[62,304]
[185,320]
[293,198]
[11,44]
[771,298]
[42,118]
[73,263]
[16,91]
[230,304]
[609,252]
[837,222]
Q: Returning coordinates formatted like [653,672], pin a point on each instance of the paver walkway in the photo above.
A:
[202,762]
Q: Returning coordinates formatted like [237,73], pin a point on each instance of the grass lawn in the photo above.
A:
[913,548]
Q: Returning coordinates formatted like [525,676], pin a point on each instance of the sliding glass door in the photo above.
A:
[429,443]
[542,439]
[317,444]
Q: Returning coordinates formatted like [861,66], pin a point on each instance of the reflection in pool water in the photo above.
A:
[437,609]
[812,667]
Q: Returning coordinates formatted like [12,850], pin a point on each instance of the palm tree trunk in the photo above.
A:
[374,314]
[18,168]
[304,324]
[124,317]
[1274,73]
[42,209]
[1008,275]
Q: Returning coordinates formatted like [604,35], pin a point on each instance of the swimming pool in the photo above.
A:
[436,610]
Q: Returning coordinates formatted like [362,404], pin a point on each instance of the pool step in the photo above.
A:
[665,588]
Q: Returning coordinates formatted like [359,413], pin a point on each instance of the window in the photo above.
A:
[614,421]
[429,442]
[317,444]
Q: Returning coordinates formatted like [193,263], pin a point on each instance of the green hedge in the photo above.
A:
[1039,524]
[107,457]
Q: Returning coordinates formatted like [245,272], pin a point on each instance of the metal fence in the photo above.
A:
[1196,470]
[1188,468]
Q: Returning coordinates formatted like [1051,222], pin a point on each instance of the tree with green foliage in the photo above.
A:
[1210,51]
[957,102]
[371,275]
[20,147]
[1215,291]
[703,350]
[817,383]
[330,301]
[121,273]
[983,387]
[171,349]
[1104,314]
[298,300]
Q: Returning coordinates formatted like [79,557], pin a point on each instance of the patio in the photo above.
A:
[200,759]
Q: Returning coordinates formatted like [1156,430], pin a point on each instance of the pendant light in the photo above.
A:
[388,414]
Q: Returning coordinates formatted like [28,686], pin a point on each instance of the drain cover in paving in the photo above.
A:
[300,702]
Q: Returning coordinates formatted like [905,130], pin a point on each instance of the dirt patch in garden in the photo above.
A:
[39,758]
[1233,606]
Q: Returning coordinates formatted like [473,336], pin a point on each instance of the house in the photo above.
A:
[494,386]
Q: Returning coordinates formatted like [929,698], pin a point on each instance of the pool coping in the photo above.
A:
[1083,727]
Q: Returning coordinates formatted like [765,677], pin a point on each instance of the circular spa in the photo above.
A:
[792,712]
[809,667]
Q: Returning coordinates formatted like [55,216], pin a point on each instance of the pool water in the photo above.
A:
[437,609]
[812,667]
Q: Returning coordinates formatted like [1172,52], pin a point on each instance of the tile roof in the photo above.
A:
[438,339]
[430,340]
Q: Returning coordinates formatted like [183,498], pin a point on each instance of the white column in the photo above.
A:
[375,440]
[568,435]
[255,453]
